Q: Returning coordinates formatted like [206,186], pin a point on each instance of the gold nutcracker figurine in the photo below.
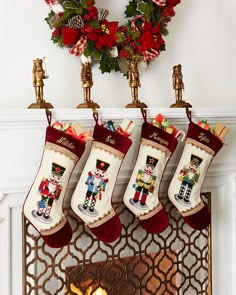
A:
[38,76]
[178,86]
[87,83]
[134,84]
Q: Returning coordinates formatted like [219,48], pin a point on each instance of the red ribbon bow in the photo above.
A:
[71,131]
[78,48]
[122,132]
[83,137]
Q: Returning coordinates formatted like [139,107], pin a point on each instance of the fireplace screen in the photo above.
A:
[176,262]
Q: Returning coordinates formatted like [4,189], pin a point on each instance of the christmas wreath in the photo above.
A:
[85,30]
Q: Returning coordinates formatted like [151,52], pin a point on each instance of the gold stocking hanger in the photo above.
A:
[39,74]
[178,86]
[134,84]
[87,83]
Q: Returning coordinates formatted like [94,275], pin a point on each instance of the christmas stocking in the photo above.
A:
[142,193]
[43,205]
[184,191]
[91,200]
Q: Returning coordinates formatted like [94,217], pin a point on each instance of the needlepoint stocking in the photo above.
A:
[142,193]
[43,206]
[185,188]
[91,200]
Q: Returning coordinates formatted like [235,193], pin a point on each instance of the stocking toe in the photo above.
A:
[60,238]
[109,231]
[199,220]
[157,223]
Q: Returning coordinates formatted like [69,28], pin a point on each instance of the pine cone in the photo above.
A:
[76,22]
[102,13]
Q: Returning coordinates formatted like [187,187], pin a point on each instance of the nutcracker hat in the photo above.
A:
[151,161]
[102,165]
[57,169]
[38,61]
[195,160]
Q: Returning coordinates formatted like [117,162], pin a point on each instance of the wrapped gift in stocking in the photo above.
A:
[92,199]
[142,193]
[185,188]
[43,206]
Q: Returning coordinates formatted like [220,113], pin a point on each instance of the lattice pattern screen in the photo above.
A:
[174,262]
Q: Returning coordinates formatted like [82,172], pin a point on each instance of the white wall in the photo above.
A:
[201,39]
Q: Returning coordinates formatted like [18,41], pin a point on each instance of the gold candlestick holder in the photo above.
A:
[178,86]
[39,74]
[134,84]
[87,83]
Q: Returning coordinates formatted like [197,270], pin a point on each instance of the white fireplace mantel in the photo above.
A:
[22,135]
[31,117]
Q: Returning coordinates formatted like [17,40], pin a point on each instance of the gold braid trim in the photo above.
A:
[55,228]
[193,210]
[151,213]
[102,220]
[156,145]
[201,146]
[99,145]
[62,150]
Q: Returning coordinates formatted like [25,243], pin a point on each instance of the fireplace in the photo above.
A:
[178,261]
[109,279]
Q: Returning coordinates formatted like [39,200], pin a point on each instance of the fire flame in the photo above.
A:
[99,291]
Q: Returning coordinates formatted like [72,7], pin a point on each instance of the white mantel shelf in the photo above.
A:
[19,118]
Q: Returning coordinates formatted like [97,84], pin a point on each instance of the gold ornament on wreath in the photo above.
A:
[85,30]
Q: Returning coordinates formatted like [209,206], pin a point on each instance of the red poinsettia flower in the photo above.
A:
[156,29]
[147,40]
[146,27]
[105,36]
[92,35]
[124,53]
[69,36]
[158,42]
[104,41]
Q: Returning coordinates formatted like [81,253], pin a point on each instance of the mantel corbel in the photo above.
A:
[2,195]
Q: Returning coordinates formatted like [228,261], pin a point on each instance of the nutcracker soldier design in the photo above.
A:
[96,182]
[145,181]
[189,176]
[50,189]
